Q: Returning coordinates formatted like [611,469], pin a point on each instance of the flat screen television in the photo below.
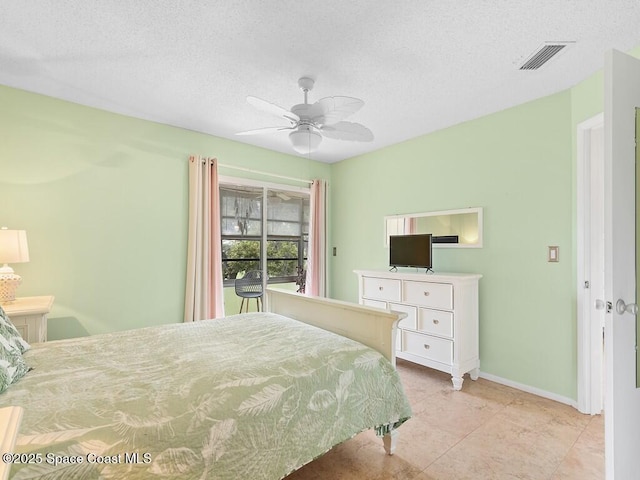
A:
[410,251]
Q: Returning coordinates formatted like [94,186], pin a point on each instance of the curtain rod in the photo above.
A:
[265,173]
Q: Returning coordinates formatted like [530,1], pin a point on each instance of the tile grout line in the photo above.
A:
[467,435]
[575,442]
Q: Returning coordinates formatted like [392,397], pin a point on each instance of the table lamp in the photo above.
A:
[13,249]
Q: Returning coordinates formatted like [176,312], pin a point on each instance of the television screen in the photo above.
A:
[410,250]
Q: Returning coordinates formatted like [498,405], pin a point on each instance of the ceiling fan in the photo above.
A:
[310,122]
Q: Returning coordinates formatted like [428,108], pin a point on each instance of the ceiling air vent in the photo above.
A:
[543,55]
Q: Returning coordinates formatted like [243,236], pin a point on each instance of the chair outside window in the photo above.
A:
[248,287]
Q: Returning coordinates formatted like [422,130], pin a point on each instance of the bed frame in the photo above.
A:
[10,418]
[372,327]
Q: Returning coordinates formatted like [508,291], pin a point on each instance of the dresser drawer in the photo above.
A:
[374,303]
[425,346]
[436,322]
[381,288]
[411,320]
[426,294]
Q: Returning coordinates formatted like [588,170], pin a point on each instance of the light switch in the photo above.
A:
[553,253]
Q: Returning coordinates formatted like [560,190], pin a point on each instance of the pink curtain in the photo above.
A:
[411,225]
[316,259]
[204,288]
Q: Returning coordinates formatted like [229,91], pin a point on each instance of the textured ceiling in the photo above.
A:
[419,65]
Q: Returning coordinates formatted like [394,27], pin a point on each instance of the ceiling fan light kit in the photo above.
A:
[309,123]
[304,140]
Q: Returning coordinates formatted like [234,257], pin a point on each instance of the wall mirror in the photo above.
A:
[450,228]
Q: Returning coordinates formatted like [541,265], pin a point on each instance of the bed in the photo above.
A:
[249,396]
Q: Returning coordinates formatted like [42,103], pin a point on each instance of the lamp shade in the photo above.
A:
[13,246]
[305,140]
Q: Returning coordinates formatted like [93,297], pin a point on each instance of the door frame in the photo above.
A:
[589,326]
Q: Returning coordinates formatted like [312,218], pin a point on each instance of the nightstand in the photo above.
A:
[10,418]
[29,315]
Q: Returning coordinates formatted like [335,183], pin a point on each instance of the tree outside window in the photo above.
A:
[242,237]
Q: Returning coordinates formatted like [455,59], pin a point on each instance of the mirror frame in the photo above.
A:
[463,211]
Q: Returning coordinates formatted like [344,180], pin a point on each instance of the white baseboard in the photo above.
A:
[529,389]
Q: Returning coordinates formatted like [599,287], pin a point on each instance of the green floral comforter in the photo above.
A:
[251,396]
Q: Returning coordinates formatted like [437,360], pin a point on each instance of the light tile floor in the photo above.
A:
[485,431]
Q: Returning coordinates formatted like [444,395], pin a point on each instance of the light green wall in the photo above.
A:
[517,165]
[103,198]
[520,165]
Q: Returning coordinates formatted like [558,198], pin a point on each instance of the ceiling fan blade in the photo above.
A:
[272,108]
[347,131]
[331,110]
[259,131]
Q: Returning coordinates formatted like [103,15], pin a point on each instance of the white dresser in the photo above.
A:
[441,327]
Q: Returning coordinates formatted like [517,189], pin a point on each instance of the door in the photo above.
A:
[622,398]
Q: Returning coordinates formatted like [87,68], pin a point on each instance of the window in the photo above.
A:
[280,237]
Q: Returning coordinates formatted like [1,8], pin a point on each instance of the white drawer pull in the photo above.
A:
[426,294]
[427,346]
[436,321]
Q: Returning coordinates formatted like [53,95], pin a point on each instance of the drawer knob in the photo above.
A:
[436,321]
[380,288]
[426,294]
[427,346]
